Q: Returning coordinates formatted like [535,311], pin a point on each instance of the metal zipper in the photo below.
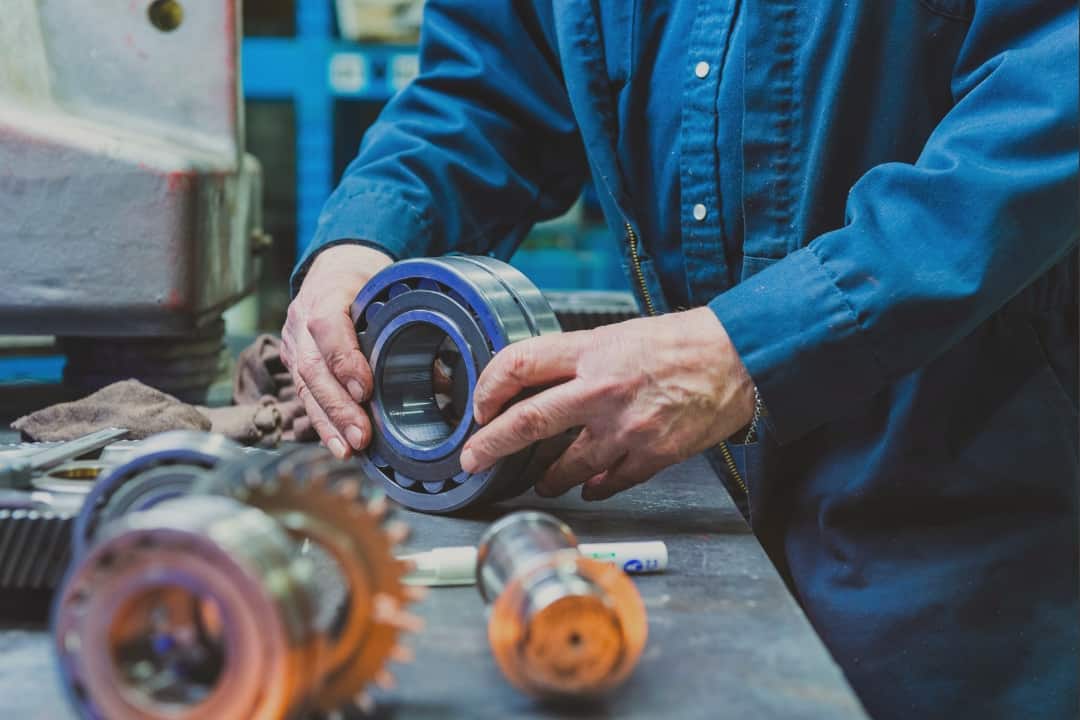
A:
[639,275]
[650,309]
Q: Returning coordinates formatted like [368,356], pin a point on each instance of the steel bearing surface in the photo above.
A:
[164,466]
[428,328]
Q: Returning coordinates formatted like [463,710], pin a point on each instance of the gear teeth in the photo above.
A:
[416,593]
[402,654]
[399,289]
[34,549]
[348,489]
[388,611]
[352,515]
[379,507]
[364,703]
[385,680]
[397,532]
[429,284]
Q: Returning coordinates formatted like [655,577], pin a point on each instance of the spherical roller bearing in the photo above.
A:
[428,328]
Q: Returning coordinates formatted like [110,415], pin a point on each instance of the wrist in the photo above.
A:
[742,402]
[355,256]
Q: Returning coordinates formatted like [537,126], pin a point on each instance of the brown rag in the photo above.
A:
[129,404]
[260,374]
[266,410]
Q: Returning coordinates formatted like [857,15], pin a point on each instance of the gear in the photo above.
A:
[332,512]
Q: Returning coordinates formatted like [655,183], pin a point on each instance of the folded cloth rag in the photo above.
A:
[259,423]
[266,409]
[129,404]
[146,411]
[260,373]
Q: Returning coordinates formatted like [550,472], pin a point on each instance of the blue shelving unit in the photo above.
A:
[313,69]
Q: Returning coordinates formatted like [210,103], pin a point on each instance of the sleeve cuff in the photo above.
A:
[800,340]
[378,218]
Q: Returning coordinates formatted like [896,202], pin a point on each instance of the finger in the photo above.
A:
[336,339]
[631,471]
[587,457]
[528,363]
[321,424]
[531,419]
[347,417]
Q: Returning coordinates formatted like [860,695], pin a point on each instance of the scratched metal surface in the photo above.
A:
[725,637]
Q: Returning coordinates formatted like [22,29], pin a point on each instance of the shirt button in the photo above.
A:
[700,212]
[701,69]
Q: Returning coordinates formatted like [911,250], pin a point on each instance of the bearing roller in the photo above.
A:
[341,522]
[165,466]
[428,328]
[194,609]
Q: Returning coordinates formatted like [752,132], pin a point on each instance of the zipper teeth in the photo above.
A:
[729,460]
[639,275]
[650,308]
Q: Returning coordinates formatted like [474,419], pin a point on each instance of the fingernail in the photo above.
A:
[357,392]
[355,436]
[337,447]
[468,461]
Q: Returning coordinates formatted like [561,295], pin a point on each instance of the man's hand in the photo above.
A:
[646,394]
[320,349]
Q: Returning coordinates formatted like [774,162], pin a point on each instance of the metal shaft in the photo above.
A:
[561,624]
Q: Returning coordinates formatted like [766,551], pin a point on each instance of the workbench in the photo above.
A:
[726,639]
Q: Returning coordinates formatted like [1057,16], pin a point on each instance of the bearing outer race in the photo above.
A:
[506,308]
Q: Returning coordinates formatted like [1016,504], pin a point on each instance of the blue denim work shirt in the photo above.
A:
[879,202]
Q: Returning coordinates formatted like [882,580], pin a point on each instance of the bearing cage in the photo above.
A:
[482,305]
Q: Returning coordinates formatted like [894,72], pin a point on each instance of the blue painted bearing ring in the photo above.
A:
[428,328]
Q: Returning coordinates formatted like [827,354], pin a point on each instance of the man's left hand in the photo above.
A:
[646,394]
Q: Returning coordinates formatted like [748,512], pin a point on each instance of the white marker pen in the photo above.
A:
[457,565]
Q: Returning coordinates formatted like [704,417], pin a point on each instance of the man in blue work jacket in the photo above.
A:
[870,210]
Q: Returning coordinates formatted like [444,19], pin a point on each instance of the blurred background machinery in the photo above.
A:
[129,211]
[314,76]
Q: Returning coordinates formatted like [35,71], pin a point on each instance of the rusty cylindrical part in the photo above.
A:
[194,609]
[560,624]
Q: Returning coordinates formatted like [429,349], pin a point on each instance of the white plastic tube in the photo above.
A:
[457,565]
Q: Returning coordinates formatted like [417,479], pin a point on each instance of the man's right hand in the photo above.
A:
[320,348]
